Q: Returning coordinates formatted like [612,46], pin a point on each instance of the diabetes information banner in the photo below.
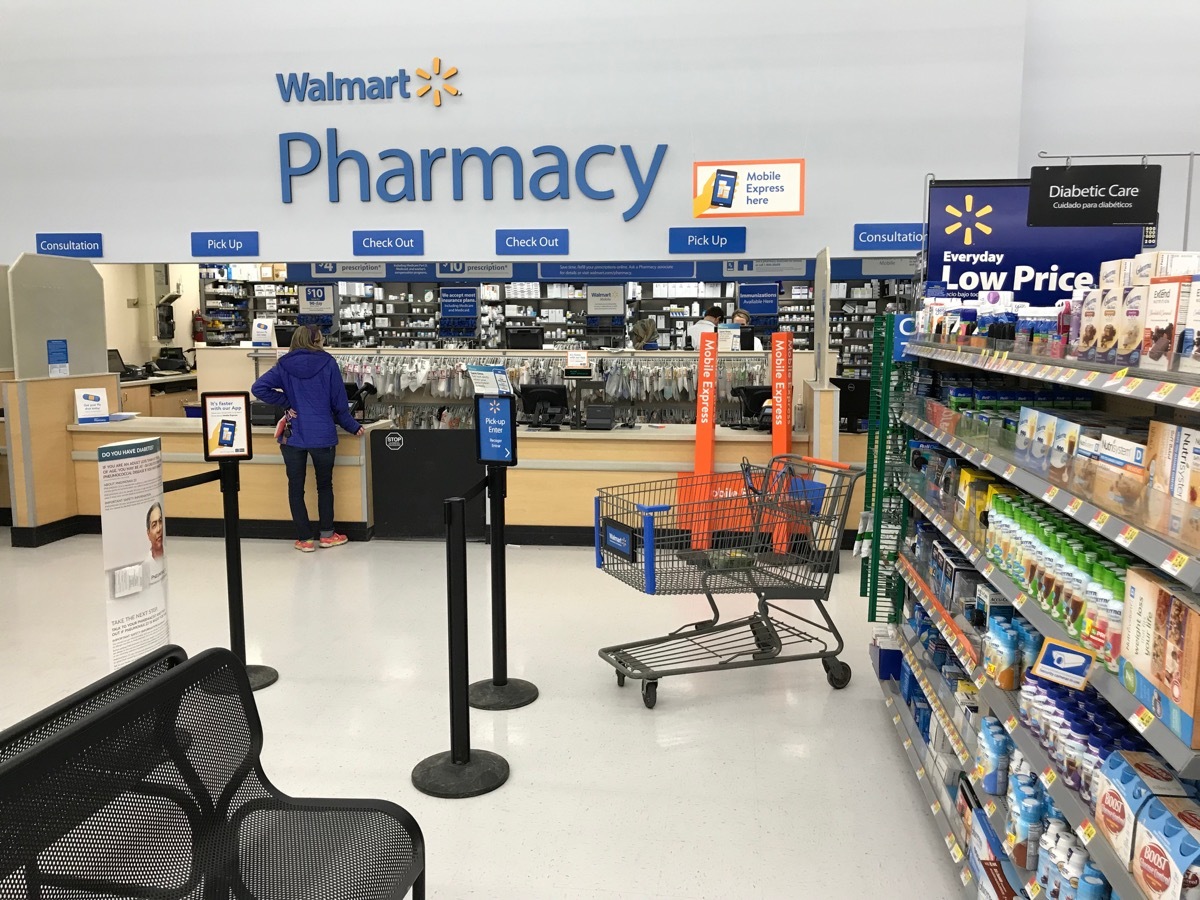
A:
[133,537]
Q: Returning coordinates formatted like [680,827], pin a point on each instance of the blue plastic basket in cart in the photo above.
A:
[773,531]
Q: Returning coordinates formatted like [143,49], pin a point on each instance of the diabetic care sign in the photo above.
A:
[979,240]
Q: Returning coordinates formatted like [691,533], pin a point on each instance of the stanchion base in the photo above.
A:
[440,776]
[512,695]
[261,677]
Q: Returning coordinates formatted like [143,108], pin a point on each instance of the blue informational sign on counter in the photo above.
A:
[759,299]
[496,430]
[409,242]
[889,236]
[57,360]
[731,239]
[85,244]
[979,241]
[533,242]
[224,244]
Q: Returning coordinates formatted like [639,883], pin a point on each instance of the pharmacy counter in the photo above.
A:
[5,493]
[197,510]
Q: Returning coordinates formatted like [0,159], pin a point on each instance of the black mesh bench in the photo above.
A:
[160,793]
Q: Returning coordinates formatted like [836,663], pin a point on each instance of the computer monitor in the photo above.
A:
[283,334]
[116,365]
[747,337]
[753,398]
[523,337]
[545,404]
[854,404]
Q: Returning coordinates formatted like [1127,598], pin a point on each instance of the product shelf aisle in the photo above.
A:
[937,692]
[953,628]
[1167,388]
[1070,803]
[939,806]
[1173,559]
[1182,758]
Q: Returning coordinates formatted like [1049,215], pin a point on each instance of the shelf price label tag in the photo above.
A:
[1126,536]
[1020,600]
[1066,374]
[1010,724]
[1175,562]
[1191,399]
[888,702]
[1086,831]
[980,680]
[1115,377]
[1141,719]
[987,459]
[1028,368]
[896,719]
[1033,888]
[956,853]
[965,875]
[936,807]
[991,669]
[1049,776]
[1162,392]
[949,839]
[977,772]
[920,773]
[1041,372]
[1099,520]
[1088,379]
[1009,471]
[1050,494]
[908,743]
[1073,506]
[990,809]
[1130,386]
[988,570]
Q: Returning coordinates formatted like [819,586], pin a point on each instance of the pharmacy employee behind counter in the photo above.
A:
[713,316]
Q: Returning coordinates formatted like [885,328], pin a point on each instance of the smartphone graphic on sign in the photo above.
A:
[228,429]
[723,188]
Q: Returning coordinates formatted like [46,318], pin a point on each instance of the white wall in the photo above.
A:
[187,276]
[121,322]
[1110,76]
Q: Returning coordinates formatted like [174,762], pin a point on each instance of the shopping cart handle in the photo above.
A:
[832,463]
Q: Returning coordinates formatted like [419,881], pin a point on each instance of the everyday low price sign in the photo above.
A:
[1093,195]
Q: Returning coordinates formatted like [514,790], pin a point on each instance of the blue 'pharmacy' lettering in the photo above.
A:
[402,180]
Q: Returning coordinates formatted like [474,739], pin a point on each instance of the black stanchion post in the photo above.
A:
[260,676]
[462,772]
[501,692]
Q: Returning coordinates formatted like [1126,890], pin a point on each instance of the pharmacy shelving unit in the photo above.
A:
[1171,557]
[1176,389]
[1002,705]
[226,303]
[940,807]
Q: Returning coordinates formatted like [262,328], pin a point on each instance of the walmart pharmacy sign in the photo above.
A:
[403,175]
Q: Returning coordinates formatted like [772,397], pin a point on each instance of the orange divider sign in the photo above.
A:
[706,404]
[781,393]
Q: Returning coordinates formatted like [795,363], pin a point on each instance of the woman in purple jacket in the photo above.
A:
[307,383]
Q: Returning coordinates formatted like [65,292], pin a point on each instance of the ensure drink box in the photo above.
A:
[1112,302]
[1089,326]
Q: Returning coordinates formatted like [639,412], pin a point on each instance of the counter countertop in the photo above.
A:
[160,379]
[160,425]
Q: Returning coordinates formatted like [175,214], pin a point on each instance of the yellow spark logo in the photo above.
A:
[444,84]
[968,203]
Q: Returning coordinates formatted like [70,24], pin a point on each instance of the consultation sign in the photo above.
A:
[85,244]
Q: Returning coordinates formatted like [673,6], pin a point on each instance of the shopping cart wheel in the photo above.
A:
[837,672]
[620,679]
[649,693]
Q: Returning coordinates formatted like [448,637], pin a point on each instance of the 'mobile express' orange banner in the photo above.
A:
[706,404]
[781,393]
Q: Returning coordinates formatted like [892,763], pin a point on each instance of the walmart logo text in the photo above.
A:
[305,87]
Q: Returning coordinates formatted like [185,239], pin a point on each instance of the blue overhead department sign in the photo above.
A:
[889,236]
[979,241]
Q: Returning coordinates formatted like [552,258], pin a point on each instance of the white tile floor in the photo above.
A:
[760,783]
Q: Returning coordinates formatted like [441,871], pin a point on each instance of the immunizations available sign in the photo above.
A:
[133,538]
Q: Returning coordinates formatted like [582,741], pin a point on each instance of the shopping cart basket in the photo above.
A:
[774,531]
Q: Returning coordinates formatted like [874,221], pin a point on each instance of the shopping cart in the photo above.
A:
[774,531]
